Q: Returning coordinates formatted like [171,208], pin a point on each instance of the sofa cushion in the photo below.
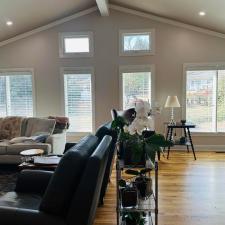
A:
[15,149]
[3,145]
[10,127]
[36,139]
[67,175]
[37,126]
[20,200]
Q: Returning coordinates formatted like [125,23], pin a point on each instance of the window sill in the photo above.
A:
[78,134]
[207,134]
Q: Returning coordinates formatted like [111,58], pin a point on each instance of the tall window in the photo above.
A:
[137,42]
[76,44]
[16,93]
[78,86]
[205,98]
[135,83]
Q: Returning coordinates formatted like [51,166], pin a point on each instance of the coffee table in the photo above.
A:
[32,166]
[28,158]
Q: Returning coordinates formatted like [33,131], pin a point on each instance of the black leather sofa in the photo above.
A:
[69,196]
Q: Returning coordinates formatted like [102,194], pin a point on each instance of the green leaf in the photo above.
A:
[118,123]
[122,183]
[150,151]
[132,172]
[158,140]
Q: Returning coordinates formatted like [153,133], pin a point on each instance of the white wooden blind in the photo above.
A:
[78,101]
[205,99]
[16,93]
[135,85]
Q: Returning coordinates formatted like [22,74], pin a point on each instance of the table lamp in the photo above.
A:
[172,102]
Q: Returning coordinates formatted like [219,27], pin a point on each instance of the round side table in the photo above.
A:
[27,155]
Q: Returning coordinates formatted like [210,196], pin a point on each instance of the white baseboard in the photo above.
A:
[207,148]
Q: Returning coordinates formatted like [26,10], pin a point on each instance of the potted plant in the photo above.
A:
[128,194]
[134,218]
[142,182]
[137,141]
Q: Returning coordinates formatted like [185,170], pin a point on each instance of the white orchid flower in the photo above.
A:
[141,122]
[125,129]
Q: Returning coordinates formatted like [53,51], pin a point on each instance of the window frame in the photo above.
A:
[79,70]
[200,66]
[62,36]
[7,72]
[132,69]
[151,51]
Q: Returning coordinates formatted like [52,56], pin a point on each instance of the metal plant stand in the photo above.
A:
[148,206]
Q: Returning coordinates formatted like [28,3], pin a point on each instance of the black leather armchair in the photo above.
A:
[72,192]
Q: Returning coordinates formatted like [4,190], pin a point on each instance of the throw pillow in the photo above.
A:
[36,126]
[18,140]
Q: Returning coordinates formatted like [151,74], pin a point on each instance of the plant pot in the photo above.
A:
[144,186]
[130,222]
[129,197]
[129,157]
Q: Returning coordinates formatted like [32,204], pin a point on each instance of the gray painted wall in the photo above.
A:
[174,46]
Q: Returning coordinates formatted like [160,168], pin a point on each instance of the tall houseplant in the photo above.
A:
[136,137]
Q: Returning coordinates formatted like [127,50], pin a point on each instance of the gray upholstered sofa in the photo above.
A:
[18,134]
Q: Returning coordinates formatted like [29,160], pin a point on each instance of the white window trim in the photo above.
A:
[151,32]
[63,54]
[136,68]
[31,70]
[90,70]
[199,66]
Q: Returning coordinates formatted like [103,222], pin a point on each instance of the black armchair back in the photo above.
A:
[100,133]
[64,181]
[85,200]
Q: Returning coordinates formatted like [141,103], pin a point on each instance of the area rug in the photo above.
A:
[8,176]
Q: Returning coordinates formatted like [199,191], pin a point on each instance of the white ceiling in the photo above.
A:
[29,14]
[183,11]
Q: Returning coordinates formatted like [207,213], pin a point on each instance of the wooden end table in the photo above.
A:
[187,134]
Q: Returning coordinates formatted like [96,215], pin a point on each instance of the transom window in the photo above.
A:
[16,93]
[135,83]
[205,98]
[78,96]
[137,42]
[76,44]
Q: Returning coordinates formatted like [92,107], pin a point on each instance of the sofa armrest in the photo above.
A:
[33,181]
[18,216]
[58,142]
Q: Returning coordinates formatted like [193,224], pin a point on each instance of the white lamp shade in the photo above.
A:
[172,102]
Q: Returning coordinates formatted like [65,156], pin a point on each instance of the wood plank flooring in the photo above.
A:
[190,192]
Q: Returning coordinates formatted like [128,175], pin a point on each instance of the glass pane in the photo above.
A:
[136,42]
[221,101]
[20,97]
[3,111]
[78,99]
[76,45]
[136,85]
[201,100]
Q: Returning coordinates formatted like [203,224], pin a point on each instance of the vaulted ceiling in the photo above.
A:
[30,14]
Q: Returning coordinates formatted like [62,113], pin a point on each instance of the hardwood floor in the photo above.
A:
[190,192]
